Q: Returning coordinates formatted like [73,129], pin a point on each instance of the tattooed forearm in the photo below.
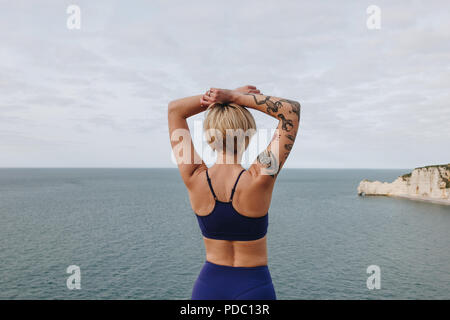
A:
[272,106]
[288,146]
[287,124]
[260,102]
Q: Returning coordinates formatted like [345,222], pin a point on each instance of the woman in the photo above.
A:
[231,204]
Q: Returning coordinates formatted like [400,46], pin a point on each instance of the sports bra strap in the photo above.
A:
[210,185]
[235,184]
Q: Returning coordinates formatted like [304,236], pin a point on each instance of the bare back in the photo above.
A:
[251,199]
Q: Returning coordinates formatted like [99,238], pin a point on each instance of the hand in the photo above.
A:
[248,89]
[215,95]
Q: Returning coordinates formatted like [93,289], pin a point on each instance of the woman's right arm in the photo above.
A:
[271,160]
[180,137]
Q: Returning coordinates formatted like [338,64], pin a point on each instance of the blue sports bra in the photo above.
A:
[225,223]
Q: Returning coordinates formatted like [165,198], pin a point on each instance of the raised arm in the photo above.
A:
[271,160]
[180,137]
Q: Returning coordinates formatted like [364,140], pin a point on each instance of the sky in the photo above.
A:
[97,96]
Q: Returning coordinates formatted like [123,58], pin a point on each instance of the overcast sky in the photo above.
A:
[97,97]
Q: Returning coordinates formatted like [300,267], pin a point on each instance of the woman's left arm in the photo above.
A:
[188,160]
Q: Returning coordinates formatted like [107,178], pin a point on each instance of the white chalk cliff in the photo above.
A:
[430,183]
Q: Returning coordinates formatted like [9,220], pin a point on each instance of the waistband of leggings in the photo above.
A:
[219,266]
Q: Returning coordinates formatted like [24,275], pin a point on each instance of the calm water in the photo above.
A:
[134,236]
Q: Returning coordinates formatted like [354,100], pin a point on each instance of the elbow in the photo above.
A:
[290,116]
[171,107]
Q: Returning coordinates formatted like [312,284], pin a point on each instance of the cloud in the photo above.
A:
[370,98]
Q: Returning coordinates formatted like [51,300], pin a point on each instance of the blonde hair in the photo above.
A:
[228,121]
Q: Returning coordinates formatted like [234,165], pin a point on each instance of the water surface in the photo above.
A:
[134,236]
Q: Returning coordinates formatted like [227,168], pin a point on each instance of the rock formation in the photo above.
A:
[430,183]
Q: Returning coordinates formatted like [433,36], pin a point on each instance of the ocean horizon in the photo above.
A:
[133,235]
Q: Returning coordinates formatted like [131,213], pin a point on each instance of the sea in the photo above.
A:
[131,234]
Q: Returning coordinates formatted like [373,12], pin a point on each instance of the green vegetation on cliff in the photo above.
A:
[445,166]
[440,166]
[406,176]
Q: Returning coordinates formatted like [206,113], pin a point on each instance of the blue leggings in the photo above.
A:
[217,282]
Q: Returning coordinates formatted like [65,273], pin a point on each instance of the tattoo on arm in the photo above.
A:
[267,159]
[272,106]
[295,107]
[269,163]
[287,124]
[291,137]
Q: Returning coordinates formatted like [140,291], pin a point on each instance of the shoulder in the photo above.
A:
[259,178]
